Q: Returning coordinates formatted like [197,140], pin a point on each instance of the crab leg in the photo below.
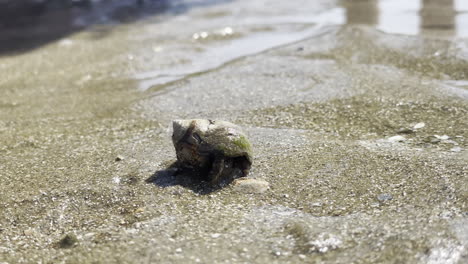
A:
[216,169]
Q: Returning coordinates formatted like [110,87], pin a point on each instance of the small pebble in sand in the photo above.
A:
[405,130]
[29,232]
[419,125]
[215,235]
[247,185]
[384,197]
[456,149]
[443,137]
[396,139]
[432,140]
[68,241]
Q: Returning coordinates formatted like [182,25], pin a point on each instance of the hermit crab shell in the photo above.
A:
[199,142]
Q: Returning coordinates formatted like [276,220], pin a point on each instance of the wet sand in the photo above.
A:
[360,131]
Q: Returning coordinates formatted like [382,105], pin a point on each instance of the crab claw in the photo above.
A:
[179,128]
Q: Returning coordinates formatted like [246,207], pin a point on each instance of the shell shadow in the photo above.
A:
[190,179]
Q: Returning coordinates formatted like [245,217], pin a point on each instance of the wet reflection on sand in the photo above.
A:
[362,12]
[440,18]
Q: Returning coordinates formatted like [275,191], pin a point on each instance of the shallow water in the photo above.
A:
[321,87]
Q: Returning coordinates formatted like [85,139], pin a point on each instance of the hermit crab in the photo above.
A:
[217,150]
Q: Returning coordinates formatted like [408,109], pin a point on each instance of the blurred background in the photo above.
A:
[26,24]
[356,109]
